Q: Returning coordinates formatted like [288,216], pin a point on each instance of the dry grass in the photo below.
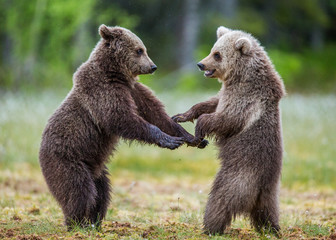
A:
[150,207]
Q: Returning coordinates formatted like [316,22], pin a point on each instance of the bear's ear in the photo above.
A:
[109,33]
[244,45]
[221,31]
[104,32]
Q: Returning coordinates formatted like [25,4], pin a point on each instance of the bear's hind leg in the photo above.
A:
[103,199]
[232,194]
[72,185]
[216,218]
[265,214]
[79,205]
[218,214]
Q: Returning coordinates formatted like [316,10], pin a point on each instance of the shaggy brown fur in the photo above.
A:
[105,103]
[244,118]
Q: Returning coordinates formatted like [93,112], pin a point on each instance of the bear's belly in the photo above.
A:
[259,147]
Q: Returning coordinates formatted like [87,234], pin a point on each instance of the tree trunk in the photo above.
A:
[317,33]
[270,7]
[227,7]
[30,60]
[82,44]
[189,33]
[317,38]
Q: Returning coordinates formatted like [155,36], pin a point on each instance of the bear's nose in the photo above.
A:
[153,67]
[201,66]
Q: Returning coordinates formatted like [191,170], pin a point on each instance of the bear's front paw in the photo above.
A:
[195,142]
[171,142]
[179,118]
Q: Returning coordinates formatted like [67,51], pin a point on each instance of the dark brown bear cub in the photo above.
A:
[244,118]
[105,103]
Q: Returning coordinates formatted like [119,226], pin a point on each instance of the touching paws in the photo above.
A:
[175,142]
[194,142]
[199,143]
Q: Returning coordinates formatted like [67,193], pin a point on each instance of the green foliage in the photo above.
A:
[189,81]
[319,72]
[287,64]
[112,15]
[58,38]
[310,70]
[43,42]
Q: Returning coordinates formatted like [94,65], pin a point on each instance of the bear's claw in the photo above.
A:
[203,144]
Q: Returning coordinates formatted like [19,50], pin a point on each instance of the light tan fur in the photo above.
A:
[244,118]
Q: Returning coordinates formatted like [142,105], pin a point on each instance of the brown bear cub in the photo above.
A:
[105,103]
[244,118]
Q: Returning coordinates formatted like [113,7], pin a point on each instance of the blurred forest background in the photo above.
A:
[43,42]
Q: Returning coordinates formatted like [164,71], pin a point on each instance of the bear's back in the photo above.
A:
[71,134]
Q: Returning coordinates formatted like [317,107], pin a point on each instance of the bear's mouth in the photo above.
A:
[209,73]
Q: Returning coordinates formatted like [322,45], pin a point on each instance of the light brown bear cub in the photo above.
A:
[244,118]
[105,103]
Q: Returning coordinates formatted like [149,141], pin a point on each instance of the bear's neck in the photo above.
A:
[111,66]
[113,72]
[94,70]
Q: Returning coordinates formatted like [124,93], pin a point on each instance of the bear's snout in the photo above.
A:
[201,66]
[153,68]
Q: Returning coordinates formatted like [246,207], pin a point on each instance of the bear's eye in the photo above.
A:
[140,51]
[217,56]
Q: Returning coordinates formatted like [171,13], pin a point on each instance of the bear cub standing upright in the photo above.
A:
[105,103]
[244,118]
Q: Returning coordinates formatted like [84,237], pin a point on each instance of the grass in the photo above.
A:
[161,194]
